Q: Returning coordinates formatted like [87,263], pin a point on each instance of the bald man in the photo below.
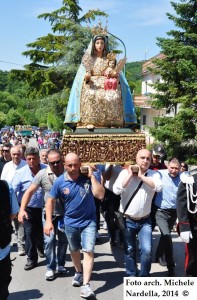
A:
[77,192]
[137,186]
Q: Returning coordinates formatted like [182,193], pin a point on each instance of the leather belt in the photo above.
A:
[136,219]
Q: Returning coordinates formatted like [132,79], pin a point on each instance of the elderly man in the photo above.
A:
[77,192]
[43,156]
[12,166]
[8,173]
[33,223]
[137,186]
[44,179]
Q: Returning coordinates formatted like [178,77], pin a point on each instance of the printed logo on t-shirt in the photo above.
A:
[85,190]
[66,191]
[86,187]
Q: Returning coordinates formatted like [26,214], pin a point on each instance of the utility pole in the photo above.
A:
[146,51]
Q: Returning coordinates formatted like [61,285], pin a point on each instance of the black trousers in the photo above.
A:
[191,256]
[110,204]
[34,238]
[5,277]
[166,219]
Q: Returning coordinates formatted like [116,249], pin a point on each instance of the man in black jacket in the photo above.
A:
[187,216]
[8,210]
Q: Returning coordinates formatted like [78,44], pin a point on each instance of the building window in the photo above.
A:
[143,120]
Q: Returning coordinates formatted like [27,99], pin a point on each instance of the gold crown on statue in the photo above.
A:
[111,56]
[99,30]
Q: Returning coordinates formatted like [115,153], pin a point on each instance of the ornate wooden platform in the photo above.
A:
[104,145]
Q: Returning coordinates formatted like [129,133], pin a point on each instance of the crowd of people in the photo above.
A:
[55,202]
[51,194]
[45,140]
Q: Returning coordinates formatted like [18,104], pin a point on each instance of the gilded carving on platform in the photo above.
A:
[104,149]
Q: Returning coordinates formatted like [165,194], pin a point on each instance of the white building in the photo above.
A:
[148,113]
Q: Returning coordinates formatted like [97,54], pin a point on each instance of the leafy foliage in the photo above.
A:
[3,80]
[55,59]
[39,94]
[178,90]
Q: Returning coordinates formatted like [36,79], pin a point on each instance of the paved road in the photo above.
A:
[107,277]
[32,142]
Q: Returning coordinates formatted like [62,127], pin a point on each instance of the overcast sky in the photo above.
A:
[136,23]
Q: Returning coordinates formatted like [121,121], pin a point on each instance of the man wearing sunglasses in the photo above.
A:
[45,179]
[6,155]
[158,153]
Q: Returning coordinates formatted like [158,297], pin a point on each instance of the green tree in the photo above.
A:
[14,117]
[133,75]
[2,119]
[177,92]
[7,100]
[55,57]
[3,80]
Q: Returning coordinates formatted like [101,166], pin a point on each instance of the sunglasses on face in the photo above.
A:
[182,166]
[53,163]
[5,150]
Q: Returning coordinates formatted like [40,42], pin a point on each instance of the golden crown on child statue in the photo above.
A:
[111,56]
[99,30]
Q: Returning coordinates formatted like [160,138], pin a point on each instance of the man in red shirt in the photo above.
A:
[158,154]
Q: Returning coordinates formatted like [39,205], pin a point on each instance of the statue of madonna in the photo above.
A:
[90,104]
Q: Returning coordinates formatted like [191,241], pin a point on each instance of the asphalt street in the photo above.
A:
[107,276]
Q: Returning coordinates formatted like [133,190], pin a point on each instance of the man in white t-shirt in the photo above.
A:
[7,174]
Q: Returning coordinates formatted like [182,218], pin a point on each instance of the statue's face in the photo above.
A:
[112,64]
[99,45]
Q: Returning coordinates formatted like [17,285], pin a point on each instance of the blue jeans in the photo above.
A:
[50,247]
[143,230]
[84,237]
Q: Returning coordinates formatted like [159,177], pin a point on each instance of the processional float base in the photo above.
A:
[104,145]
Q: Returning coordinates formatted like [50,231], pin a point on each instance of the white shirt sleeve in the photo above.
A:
[117,187]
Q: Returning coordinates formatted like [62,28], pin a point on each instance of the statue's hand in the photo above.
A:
[87,77]
[113,74]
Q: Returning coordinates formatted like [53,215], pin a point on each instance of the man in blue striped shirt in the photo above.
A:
[166,215]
